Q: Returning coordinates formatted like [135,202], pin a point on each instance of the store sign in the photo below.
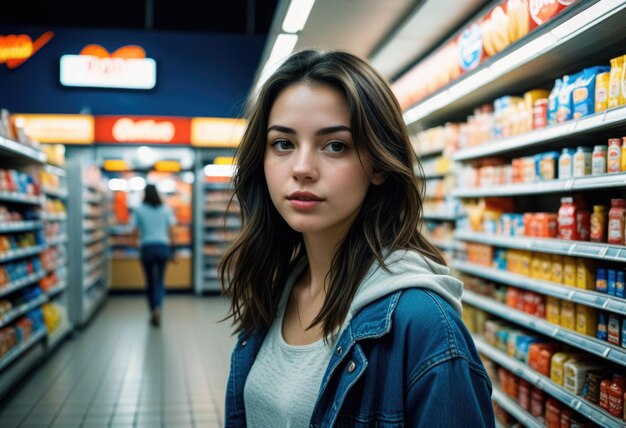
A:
[58,128]
[167,166]
[142,130]
[126,68]
[17,49]
[216,132]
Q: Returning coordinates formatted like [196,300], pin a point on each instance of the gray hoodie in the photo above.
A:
[282,386]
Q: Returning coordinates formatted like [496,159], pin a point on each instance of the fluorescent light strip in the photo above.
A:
[522,54]
[283,46]
[578,23]
[297,14]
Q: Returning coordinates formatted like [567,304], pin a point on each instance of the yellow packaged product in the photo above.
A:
[622,97]
[585,274]
[557,366]
[553,310]
[569,271]
[602,92]
[546,267]
[615,81]
[586,320]
[525,258]
[469,318]
[535,265]
[557,269]
[568,315]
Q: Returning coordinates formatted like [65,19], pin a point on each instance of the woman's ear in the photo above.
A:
[378,178]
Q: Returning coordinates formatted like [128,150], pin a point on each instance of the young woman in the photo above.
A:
[347,315]
[153,220]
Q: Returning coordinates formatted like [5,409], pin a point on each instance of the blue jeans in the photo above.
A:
[154,258]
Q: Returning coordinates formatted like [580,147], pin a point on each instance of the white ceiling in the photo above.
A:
[396,32]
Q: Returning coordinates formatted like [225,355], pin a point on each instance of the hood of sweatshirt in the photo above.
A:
[406,269]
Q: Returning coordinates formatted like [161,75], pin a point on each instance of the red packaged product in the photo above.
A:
[583,219]
[540,113]
[541,11]
[553,413]
[537,400]
[566,418]
[568,219]
[616,396]
[615,233]
[604,394]
[523,394]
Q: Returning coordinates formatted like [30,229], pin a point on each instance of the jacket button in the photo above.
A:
[339,350]
[244,343]
[351,367]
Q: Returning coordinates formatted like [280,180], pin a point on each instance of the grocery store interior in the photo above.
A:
[515,108]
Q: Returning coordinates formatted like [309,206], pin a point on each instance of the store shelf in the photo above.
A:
[600,251]
[14,353]
[15,313]
[569,39]
[511,406]
[439,216]
[57,193]
[430,153]
[60,287]
[7,256]
[94,237]
[92,303]
[21,151]
[92,198]
[445,245]
[586,343]
[59,239]
[541,137]
[605,181]
[21,283]
[584,297]
[52,169]
[91,280]
[20,198]
[20,226]
[58,335]
[94,251]
[585,408]
[54,216]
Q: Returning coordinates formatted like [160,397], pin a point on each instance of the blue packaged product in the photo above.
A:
[564,110]
[499,259]
[623,333]
[619,284]
[584,90]
[553,101]
[601,283]
[610,282]
[602,332]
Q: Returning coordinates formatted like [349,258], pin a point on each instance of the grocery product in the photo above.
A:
[566,164]
[564,109]
[568,315]
[540,113]
[557,268]
[574,373]
[585,278]
[586,320]
[556,366]
[611,277]
[598,223]
[553,413]
[615,90]
[614,156]
[619,284]
[553,310]
[591,388]
[601,280]
[622,96]
[598,160]
[615,233]
[602,91]
[567,219]
[584,90]
[623,162]
[616,396]
[582,162]
[602,332]
[553,101]
[613,329]
[569,271]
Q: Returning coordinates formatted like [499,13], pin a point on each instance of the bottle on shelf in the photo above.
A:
[582,162]
[615,233]
[566,161]
[598,223]
[614,156]
[598,160]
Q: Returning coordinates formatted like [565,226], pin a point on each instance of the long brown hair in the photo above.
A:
[254,269]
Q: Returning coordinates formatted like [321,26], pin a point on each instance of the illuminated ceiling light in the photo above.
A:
[145,155]
[137,183]
[283,46]
[297,14]
[166,186]
[118,185]
[213,170]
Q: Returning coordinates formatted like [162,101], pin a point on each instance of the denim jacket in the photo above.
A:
[405,360]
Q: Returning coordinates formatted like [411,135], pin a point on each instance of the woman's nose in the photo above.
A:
[305,167]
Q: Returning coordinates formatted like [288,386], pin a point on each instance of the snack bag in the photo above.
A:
[583,93]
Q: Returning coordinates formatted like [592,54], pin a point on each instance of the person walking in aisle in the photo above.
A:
[346,314]
[153,220]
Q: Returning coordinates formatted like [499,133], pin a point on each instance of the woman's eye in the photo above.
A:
[282,145]
[336,147]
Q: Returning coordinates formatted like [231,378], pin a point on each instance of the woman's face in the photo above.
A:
[314,175]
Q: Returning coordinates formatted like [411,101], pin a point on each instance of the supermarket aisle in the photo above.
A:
[121,372]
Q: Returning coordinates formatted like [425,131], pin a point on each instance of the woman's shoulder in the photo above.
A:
[432,322]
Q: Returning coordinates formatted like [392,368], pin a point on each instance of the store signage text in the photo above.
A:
[126,68]
[217,132]
[15,49]
[58,128]
[140,130]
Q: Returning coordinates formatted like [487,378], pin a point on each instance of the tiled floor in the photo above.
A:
[121,372]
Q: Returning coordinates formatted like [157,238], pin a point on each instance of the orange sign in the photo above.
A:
[17,49]
[216,132]
[142,130]
[58,128]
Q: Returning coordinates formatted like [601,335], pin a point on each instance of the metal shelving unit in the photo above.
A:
[599,251]
[511,406]
[585,408]
[88,252]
